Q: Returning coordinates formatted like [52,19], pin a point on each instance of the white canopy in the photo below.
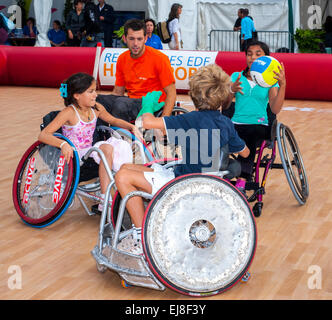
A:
[199,17]
[43,17]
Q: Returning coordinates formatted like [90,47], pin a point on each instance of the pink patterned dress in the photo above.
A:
[81,135]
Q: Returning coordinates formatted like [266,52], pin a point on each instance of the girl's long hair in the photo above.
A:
[77,83]
[263,46]
[174,11]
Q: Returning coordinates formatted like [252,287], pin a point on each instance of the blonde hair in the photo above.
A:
[209,87]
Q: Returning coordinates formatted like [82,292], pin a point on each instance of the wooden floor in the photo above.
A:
[294,253]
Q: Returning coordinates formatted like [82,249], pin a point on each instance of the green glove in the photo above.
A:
[150,103]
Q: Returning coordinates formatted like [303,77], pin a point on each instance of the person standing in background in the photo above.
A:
[237,25]
[106,19]
[247,29]
[153,40]
[92,29]
[74,24]
[174,27]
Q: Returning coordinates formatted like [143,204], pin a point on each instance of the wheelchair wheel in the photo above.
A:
[160,146]
[141,152]
[292,163]
[44,184]
[199,235]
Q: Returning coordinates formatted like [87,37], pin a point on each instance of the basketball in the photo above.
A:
[261,71]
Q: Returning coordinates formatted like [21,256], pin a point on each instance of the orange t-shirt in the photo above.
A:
[150,72]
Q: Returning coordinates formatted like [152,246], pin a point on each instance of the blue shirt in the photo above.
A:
[201,134]
[247,27]
[154,42]
[56,36]
[26,30]
[250,107]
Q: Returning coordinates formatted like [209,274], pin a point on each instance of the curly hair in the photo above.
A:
[209,87]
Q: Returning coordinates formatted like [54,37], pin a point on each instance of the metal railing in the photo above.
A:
[229,40]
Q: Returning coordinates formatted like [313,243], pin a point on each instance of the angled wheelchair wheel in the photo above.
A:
[44,184]
[160,146]
[141,152]
[199,235]
[292,163]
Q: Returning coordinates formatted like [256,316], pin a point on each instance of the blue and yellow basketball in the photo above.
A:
[261,71]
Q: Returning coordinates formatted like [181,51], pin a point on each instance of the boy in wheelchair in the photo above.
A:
[201,134]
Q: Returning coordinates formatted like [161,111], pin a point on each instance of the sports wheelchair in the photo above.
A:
[198,235]
[266,152]
[45,186]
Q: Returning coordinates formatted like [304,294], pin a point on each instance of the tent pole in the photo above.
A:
[291,24]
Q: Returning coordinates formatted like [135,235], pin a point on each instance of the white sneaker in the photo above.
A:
[132,243]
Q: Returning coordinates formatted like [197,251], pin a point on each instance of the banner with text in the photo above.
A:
[184,64]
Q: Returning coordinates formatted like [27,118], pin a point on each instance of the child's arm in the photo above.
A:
[46,135]
[151,122]
[244,153]
[116,122]
[277,95]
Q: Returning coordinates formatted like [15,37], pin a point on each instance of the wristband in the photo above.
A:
[61,145]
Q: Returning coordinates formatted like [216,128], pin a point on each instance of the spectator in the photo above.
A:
[139,70]
[92,30]
[247,29]
[174,27]
[237,25]
[153,40]
[56,36]
[106,22]
[75,24]
[30,30]
[328,29]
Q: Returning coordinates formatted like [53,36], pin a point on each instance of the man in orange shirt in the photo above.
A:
[140,70]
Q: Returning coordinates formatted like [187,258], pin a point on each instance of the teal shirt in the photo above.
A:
[250,107]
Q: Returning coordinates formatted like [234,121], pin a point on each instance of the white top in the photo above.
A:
[174,26]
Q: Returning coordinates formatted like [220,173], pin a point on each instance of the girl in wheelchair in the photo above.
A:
[78,121]
[251,116]
[209,89]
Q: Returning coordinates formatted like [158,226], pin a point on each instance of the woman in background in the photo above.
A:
[174,26]
[153,40]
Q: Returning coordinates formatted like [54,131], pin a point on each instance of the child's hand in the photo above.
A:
[236,86]
[280,76]
[150,103]
[67,152]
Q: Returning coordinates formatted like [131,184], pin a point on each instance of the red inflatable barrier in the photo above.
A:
[43,67]
[308,75]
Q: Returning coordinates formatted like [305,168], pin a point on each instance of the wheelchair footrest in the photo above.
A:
[133,269]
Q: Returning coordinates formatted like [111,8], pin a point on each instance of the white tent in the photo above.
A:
[43,18]
[199,17]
